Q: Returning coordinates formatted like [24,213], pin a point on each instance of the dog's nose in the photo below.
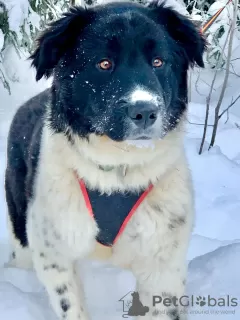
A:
[143,113]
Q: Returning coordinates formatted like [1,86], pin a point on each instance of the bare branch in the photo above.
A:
[190,86]
[199,124]
[232,72]
[196,85]
[208,100]
[232,29]
[231,104]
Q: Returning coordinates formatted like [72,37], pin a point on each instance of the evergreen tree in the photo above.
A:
[20,21]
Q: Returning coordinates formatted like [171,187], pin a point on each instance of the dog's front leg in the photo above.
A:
[58,275]
[57,241]
[161,287]
[54,256]
[60,232]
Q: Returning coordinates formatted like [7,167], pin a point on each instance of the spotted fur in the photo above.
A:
[83,124]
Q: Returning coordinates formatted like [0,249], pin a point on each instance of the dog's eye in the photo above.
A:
[105,64]
[157,62]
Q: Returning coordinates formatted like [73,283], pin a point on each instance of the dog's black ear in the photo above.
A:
[59,37]
[182,30]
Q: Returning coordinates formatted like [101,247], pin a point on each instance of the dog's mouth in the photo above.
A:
[142,142]
[143,138]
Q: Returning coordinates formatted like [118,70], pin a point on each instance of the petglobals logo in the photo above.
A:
[133,306]
[201,301]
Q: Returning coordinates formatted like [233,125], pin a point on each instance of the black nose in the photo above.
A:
[143,114]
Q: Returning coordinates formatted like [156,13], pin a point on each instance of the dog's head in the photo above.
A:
[119,70]
[135,295]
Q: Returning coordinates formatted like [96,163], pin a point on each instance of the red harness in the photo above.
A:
[126,219]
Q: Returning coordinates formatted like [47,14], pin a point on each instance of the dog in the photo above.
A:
[96,164]
[137,307]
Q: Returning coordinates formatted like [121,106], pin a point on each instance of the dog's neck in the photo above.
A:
[122,169]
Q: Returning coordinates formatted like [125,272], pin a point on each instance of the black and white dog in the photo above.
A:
[96,164]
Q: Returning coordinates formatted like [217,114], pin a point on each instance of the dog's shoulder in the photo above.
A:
[25,133]
[28,114]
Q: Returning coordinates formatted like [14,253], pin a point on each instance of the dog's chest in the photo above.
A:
[111,212]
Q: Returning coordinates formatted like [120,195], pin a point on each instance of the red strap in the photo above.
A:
[86,197]
[126,220]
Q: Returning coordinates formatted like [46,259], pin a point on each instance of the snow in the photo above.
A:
[142,95]
[214,252]
[19,15]
[18,12]
[216,274]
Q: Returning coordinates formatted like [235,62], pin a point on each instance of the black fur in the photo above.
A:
[62,289]
[65,305]
[22,156]
[174,314]
[84,99]
[68,49]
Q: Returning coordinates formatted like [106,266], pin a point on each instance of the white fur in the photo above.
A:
[141,143]
[155,241]
[22,256]
[140,94]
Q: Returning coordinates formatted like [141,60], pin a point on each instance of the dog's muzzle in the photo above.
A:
[143,114]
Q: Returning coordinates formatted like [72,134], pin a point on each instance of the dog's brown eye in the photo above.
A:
[157,62]
[105,64]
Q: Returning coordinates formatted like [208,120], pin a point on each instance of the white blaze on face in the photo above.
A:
[142,95]
[154,132]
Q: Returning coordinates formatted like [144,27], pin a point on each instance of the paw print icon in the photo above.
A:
[201,301]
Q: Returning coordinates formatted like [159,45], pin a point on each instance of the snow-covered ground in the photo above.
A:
[214,253]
